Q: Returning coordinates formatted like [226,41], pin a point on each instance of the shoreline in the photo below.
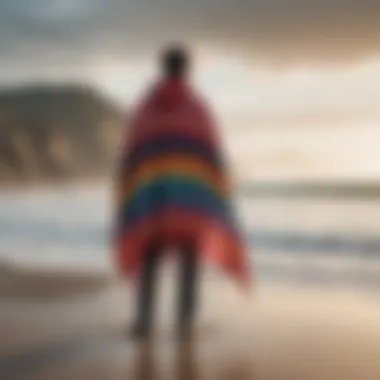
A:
[259,187]
[23,186]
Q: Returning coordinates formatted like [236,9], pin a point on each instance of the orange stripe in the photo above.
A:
[174,164]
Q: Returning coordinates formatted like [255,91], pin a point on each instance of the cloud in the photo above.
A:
[75,33]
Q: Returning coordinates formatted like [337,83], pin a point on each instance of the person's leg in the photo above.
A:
[146,291]
[188,286]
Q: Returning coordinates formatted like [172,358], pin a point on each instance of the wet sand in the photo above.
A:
[283,332]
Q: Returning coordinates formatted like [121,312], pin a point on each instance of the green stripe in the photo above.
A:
[177,177]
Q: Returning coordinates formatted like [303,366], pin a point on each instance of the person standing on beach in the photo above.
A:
[173,192]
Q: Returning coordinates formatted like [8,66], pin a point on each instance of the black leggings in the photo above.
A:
[187,284]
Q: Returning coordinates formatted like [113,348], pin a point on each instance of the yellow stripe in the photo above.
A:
[174,164]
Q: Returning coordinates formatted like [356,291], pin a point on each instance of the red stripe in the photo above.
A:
[216,242]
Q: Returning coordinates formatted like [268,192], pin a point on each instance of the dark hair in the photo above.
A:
[175,60]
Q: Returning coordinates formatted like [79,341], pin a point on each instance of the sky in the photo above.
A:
[301,61]
[260,63]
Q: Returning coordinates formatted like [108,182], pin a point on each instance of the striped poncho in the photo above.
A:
[172,183]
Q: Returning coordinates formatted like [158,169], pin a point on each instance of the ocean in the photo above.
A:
[317,240]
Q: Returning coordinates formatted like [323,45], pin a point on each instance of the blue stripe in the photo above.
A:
[177,192]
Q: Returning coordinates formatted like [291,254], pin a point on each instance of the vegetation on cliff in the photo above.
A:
[56,132]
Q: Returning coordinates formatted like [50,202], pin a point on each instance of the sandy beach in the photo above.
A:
[72,325]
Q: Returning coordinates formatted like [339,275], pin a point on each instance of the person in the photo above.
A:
[174,192]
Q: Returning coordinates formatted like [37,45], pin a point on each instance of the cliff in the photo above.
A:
[56,132]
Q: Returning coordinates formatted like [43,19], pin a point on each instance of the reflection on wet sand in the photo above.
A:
[282,334]
[187,365]
[184,366]
[146,368]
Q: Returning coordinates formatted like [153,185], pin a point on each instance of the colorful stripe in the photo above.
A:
[179,144]
[177,166]
[173,185]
